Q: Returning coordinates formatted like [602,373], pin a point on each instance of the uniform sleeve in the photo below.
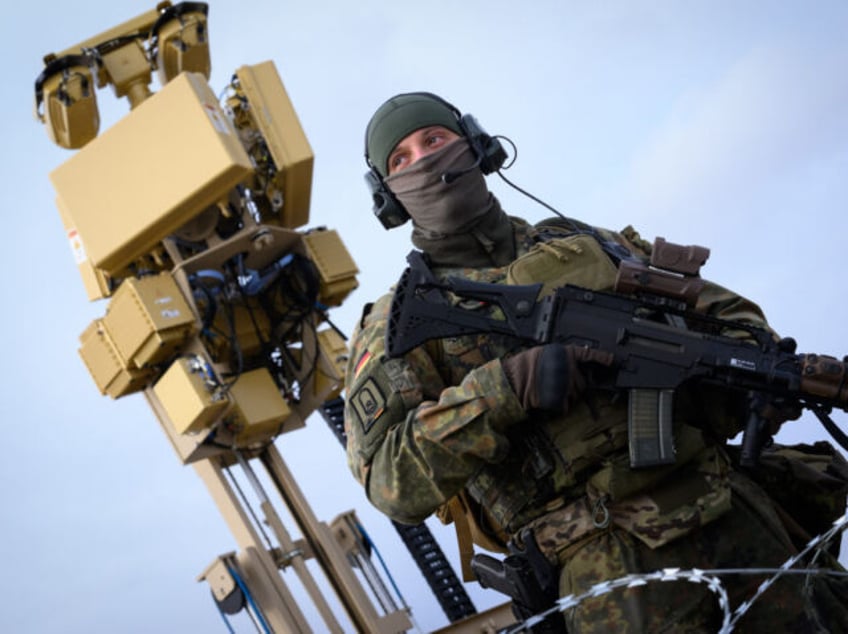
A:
[412,441]
[711,406]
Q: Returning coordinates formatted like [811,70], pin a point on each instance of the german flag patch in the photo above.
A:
[361,363]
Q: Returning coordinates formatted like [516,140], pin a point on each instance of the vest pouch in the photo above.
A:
[696,494]
[617,480]
[577,259]
[586,439]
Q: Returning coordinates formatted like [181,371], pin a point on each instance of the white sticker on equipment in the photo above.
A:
[217,118]
[77,247]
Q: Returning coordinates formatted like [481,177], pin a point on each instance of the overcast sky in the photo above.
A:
[720,123]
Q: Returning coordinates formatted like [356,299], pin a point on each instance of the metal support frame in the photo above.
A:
[260,572]
[422,546]
[259,562]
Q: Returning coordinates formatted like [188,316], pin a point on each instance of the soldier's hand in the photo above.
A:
[551,376]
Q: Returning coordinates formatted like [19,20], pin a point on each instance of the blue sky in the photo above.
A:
[716,123]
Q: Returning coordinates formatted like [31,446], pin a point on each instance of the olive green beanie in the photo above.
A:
[398,117]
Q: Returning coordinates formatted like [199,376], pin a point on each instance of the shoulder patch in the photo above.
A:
[369,403]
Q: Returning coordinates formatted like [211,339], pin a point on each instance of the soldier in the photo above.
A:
[521,442]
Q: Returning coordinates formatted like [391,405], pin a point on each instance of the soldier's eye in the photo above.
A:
[396,161]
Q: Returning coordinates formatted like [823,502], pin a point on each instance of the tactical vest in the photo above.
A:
[555,461]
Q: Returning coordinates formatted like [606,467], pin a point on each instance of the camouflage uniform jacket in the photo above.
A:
[443,418]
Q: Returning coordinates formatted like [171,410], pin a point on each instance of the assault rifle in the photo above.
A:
[649,324]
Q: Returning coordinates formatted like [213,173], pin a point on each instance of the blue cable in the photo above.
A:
[208,275]
[247,594]
[224,617]
[373,546]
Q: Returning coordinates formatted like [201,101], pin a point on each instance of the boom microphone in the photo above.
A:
[449,177]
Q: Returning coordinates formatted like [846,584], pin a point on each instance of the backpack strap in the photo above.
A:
[459,513]
[473,526]
[553,228]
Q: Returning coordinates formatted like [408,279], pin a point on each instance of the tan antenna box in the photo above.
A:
[187,399]
[273,114]
[336,268]
[149,320]
[259,409]
[173,156]
[105,365]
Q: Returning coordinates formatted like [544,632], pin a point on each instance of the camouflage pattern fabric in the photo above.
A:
[443,419]
[807,483]
[750,535]
[419,427]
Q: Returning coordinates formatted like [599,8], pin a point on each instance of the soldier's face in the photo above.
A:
[419,144]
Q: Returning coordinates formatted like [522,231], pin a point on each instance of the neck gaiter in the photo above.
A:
[458,223]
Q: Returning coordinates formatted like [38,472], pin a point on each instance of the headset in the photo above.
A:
[489,156]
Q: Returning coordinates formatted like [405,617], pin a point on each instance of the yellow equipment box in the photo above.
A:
[101,357]
[186,396]
[274,116]
[169,159]
[148,319]
[336,268]
[330,369]
[96,282]
[259,410]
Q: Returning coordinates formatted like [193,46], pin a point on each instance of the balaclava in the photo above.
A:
[458,223]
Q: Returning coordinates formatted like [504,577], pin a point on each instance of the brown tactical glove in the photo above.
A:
[549,377]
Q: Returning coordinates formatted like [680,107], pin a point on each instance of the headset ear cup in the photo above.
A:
[386,207]
[487,148]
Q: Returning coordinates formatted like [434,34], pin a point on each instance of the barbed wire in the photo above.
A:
[711,578]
